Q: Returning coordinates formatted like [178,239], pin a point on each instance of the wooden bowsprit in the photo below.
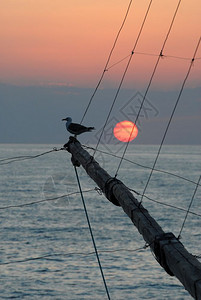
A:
[168,250]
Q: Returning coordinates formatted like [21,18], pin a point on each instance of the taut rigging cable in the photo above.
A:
[124,74]
[170,119]
[91,233]
[149,84]
[189,207]
[107,62]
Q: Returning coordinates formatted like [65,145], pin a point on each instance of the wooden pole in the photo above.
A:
[168,250]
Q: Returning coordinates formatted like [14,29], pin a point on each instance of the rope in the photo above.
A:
[190,204]
[108,60]
[148,54]
[149,84]
[6,161]
[170,28]
[143,166]
[91,232]
[47,256]
[165,204]
[100,193]
[124,74]
[46,200]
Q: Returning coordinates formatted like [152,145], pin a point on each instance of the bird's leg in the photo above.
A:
[75,137]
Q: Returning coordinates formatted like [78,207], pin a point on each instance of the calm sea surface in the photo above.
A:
[46,250]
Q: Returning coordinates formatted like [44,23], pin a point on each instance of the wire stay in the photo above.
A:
[189,207]
[149,54]
[9,160]
[108,60]
[149,85]
[91,232]
[171,117]
[45,200]
[98,191]
[142,166]
[166,204]
[64,254]
[124,74]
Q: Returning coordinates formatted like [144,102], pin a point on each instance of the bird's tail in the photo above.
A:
[90,128]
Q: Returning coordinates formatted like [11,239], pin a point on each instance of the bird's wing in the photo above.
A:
[76,127]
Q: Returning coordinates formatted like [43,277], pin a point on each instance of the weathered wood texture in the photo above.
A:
[169,252]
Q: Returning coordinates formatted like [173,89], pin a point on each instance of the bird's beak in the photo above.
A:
[63,119]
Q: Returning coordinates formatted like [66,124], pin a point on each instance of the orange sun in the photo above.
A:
[125,131]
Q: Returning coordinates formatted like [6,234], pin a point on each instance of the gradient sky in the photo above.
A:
[67,42]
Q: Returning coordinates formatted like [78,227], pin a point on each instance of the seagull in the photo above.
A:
[75,128]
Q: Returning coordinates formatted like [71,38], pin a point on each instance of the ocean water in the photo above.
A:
[46,250]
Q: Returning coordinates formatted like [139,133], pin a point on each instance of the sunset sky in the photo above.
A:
[64,42]
[53,53]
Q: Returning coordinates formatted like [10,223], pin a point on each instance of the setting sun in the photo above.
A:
[125,131]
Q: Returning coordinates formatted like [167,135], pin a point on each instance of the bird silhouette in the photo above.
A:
[75,128]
